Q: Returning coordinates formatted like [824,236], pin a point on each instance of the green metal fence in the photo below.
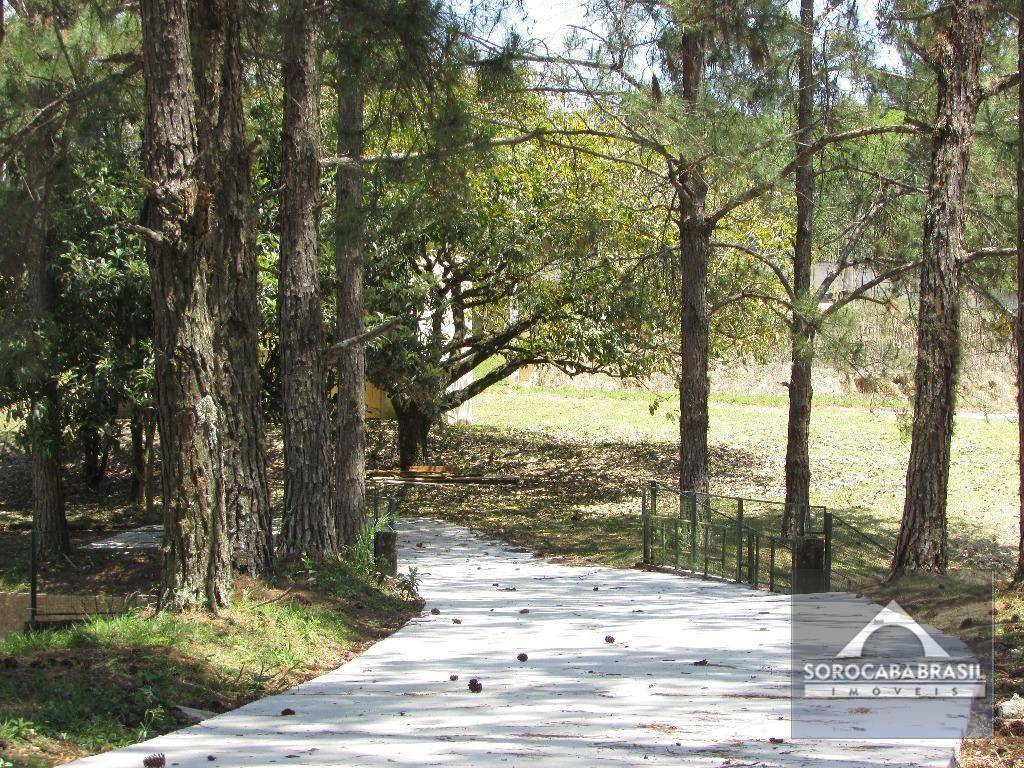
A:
[854,558]
[737,539]
[713,536]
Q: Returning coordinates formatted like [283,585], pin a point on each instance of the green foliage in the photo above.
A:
[97,341]
[524,253]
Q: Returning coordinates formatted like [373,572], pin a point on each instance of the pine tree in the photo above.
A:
[308,510]
[955,56]
[227,166]
[176,219]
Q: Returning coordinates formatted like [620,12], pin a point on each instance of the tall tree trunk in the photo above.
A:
[222,144]
[350,448]
[177,218]
[413,430]
[44,425]
[309,514]
[150,467]
[798,461]
[694,321]
[1018,326]
[922,539]
[138,446]
[94,450]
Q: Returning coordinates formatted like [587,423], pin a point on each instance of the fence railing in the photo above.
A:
[738,539]
[853,557]
[711,536]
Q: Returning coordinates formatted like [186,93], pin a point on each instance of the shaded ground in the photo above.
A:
[581,459]
[858,453]
[576,666]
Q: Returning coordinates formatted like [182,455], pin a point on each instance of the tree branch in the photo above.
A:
[756,190]
[862,290]
[366,336]
[779,273]
[50,111]
[997,85]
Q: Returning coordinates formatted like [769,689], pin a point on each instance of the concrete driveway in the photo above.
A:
[615,675]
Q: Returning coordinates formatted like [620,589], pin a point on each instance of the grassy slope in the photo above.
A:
[858,455]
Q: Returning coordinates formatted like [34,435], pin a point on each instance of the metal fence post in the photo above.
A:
[739,541]
[771,565]
[692,496]
[757,558]
[750,556]
[721,567]
[828,553]
[645,525]
[33,579]
[675,537]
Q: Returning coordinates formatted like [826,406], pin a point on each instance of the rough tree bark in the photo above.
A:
[413,429]
[350,445]
[1018,326]
[44,426]
[956,57]
[798,462]
[217,53]
[309,523]
[694,320]
[176,218]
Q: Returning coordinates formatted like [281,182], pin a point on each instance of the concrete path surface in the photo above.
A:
[577,700]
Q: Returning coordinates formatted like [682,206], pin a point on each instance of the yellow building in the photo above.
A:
[378,406]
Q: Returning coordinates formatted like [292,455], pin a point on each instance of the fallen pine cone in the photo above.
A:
[456,621]
[475,685]
[522,657]
[524,610]
[287,711]
[155,761]
[609,639]
[453,677]
[435,611]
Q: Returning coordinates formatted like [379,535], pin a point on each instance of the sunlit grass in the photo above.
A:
[858,454]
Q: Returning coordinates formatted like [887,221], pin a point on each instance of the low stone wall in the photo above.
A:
[15,608]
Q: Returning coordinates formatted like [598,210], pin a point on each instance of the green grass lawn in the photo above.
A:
[858,453]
